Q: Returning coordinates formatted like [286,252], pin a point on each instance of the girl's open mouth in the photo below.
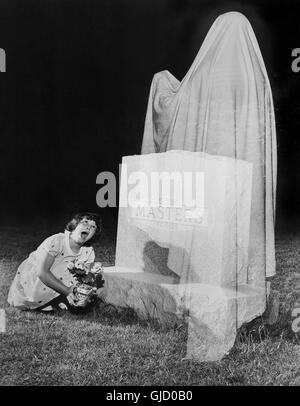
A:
[84,234]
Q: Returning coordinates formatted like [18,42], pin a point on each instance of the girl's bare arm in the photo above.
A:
[47,277]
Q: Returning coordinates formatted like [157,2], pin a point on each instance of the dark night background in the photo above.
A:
[74,97]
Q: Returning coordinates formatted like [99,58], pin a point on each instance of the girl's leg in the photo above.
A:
[72,309]
[55,302]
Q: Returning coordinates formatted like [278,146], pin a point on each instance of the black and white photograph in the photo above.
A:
[150,195]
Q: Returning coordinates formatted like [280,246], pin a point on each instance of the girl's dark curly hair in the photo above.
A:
[89,216]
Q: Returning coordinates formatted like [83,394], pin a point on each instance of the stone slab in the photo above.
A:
[163,240]
[213,313]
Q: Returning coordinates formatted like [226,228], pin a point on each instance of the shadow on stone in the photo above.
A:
[155,260]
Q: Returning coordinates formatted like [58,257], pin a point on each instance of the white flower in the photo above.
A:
[97,267]
[79,265]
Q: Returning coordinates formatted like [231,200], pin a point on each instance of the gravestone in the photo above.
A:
[182,246]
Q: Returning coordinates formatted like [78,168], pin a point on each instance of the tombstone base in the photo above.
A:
[213,313]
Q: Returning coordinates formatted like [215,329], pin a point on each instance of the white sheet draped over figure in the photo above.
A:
[223,106]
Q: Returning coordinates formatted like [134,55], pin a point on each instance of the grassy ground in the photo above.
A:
[108,347]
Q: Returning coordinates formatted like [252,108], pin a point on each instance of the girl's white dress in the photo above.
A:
[27,290]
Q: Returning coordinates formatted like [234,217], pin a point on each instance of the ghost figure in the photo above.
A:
[223,106]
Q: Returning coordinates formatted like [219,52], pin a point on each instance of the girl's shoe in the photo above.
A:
[47,309]
[62,306]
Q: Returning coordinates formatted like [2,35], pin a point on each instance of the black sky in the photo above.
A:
[74,97]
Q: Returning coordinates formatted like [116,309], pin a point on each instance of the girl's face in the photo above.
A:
[84,231]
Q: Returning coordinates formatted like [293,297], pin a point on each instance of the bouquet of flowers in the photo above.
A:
[89,278]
